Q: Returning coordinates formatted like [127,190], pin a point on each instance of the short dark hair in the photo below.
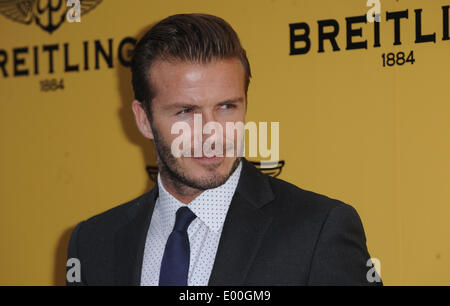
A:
[197,38]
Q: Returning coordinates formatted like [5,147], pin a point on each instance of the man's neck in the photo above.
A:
[178,190]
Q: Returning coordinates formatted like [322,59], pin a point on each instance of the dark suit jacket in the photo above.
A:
[274,234]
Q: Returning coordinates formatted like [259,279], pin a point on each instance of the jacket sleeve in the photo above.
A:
[73,260]
[341,255]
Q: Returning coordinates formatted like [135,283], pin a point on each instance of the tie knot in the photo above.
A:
[184,218]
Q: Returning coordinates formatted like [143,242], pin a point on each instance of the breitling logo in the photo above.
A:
[49,15]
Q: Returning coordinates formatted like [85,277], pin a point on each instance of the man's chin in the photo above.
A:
[201,173]
[207,168]
[208,172]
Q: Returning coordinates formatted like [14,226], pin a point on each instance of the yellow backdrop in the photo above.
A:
[374,136]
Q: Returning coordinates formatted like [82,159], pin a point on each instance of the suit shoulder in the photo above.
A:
[116,216]
[293,198]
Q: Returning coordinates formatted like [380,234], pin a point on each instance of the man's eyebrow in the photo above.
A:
[234,100]
[194,106]
[181,105]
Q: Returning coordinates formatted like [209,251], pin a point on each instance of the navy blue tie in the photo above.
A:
[175,261]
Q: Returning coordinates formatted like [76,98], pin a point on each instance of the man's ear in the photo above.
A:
[141,119]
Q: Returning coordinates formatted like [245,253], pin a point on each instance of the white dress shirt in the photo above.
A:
[211,208]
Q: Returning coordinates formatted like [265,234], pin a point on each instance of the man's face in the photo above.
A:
[214,90]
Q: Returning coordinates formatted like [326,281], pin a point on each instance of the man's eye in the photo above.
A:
[227,106]
[184,111]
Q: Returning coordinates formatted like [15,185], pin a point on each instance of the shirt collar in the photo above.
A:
[211,206]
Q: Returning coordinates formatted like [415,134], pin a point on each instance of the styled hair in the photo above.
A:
[196,38]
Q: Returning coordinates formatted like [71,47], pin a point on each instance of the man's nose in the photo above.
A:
[208,116]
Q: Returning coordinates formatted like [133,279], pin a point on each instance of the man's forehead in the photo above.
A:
[194,80]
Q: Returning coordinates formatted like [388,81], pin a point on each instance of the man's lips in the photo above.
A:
[205,159]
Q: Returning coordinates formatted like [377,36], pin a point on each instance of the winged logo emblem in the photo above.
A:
[49,15]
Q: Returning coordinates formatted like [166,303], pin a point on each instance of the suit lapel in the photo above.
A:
[130,240]
[244,228]
[242,234]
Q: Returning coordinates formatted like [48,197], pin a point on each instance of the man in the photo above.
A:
[212,219]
